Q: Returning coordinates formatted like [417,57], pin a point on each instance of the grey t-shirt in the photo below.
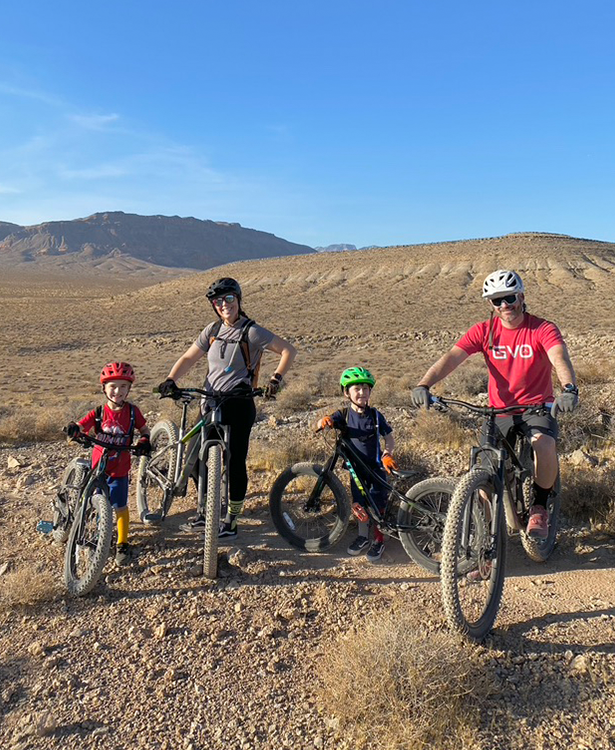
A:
[227,367]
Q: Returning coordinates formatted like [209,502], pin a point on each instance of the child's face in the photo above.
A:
[116,391]
[359,394]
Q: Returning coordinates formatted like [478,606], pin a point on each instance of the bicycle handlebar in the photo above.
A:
[191,393]
[88,441]
[491,410]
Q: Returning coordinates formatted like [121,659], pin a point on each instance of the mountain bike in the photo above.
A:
[82,515]
[177,454]
[311,509]
[489,503]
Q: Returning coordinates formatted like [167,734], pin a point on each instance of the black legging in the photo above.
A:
[239,414]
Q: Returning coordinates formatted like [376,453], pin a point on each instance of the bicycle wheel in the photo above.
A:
[309,508]
[64,505]
[472,599]
[422,541]
[88,543]
[212,510]
[155,475]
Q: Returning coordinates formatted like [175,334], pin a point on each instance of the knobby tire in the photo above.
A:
[83,563]
[311,525]
[150,494]
[212,511]
[462,594]
[70,489]
[423,542]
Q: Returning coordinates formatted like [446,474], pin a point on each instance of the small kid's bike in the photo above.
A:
[82,514]
[495,495]
[177,454]
[310,507]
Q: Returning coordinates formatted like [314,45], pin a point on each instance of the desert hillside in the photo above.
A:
[287,649]
[393,309]
[108,240]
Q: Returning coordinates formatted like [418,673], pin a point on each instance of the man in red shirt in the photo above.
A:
[520,351]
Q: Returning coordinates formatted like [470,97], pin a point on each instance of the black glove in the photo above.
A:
[420,396]
[567,401]
[143,446]
[72,429]
[169,389]
[274,386]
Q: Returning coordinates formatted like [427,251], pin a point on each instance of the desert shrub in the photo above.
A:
[392,391]
[27,586]
[589,495]
[440,432]
[392,688]
[467,381]
[595,372]
[275,455]
[302,392]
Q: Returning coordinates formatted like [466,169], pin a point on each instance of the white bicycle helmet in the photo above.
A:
[502,282]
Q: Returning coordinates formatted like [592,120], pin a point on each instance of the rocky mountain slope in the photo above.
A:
[169,241]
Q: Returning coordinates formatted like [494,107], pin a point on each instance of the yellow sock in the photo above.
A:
[123,522]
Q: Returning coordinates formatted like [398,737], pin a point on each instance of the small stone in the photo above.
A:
[36,648]
[13,463]
[579,664]
[161,630]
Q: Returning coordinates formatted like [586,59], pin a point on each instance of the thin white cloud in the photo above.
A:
[40,96]
[94,122]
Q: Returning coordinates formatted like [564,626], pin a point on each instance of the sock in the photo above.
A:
[363,529]
[122,524]
[378,535]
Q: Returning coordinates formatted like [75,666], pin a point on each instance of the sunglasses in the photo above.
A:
[510,299]
[228,298]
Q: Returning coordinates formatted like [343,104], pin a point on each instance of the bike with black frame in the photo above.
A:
[490,502]
[177,453]
[311,509]
[83,516]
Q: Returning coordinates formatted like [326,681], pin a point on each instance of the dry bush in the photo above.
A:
[595,372]
[393,688]
[277,455]
[392,391]
[589,495]
[440,432]
[302,392]
[468,381]
[28,586]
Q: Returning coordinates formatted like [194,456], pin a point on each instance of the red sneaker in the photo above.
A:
[538,525]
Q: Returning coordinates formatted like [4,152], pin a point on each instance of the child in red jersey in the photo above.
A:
[114,423]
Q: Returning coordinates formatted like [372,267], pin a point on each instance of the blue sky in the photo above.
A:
[389,122]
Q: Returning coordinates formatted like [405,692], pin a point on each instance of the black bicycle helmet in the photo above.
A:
[223,286]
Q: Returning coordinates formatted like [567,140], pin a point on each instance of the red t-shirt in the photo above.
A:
[519,369]
[115,431]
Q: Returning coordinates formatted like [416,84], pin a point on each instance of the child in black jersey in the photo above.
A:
[365,426]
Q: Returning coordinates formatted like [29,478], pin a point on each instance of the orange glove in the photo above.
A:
[389,463]
[326,422]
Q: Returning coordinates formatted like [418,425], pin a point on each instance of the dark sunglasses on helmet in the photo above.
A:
[510,299]
[228,298]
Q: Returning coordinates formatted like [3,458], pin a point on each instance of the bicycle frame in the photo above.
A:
[193,445]
[355,465]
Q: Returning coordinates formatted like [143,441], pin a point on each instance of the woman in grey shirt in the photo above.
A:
[234,346]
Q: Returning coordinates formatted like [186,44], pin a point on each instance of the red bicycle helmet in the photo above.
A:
[117,371]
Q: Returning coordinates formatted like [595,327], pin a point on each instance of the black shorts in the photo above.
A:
[528,425]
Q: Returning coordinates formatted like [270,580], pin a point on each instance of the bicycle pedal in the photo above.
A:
[359,512]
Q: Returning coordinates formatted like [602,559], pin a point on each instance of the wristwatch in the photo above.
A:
[570,388]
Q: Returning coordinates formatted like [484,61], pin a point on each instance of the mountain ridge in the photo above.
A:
[167,241]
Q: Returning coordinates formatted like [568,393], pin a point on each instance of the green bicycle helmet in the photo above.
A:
[356,375]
